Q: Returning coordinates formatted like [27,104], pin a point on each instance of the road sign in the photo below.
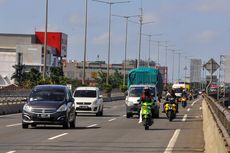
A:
[211,66]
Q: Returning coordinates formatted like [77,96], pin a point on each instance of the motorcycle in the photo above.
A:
[146,114]
[183,101]
[170,109]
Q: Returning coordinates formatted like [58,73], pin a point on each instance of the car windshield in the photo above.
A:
[137,91]
[85,93]
[47,95]
[178,90]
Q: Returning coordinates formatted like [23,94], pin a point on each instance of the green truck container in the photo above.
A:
[145,75]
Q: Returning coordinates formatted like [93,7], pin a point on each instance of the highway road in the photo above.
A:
[112,133]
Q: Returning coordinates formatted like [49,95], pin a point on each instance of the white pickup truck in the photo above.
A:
[88,100]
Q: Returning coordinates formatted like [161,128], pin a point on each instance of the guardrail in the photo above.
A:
[222,118]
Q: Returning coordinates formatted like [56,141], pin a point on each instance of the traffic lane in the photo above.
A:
[191,137]
[121,135]
[29,137]
[115,136]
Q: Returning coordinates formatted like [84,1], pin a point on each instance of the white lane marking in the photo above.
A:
[11,125]
[112,119]
[57,136]
[92,125]
[172,142]
[195,102]
[188,109]
[184,118]
[13,151]
[124,115]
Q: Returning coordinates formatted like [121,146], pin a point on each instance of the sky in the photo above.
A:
[195,28]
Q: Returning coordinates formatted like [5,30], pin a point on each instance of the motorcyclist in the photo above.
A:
[145,97]
[171,94]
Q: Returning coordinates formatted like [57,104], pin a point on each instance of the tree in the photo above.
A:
[57,75]
[18,74]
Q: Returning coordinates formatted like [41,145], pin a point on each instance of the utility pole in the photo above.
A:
[110,10]
[126,42]
[45,41]
[141,22]
[85,40]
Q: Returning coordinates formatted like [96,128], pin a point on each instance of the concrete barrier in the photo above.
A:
[213,140]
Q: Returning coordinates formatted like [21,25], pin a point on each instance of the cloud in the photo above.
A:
[214,5]
[206,36]
[103,39]
[149,17]
[74,19]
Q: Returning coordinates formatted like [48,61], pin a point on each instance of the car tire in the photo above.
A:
[25,126]
[66,125]
[101,113]
[73,123]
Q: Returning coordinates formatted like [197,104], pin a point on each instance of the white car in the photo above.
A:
[88,100]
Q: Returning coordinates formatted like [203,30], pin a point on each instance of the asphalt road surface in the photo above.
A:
[112,133]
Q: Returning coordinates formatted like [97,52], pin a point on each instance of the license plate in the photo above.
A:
[83,107]
[44,115]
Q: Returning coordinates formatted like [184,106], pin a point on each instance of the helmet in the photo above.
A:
[146,88]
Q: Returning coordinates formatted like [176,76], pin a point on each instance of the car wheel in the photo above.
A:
[25,126]
[66,125]
[73,123]
[101,113]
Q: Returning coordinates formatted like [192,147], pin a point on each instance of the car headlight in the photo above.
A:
[62,108]
[27,108]
[129,103]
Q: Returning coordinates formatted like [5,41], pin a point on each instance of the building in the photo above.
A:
[30,47]
[195,72]
[74,70]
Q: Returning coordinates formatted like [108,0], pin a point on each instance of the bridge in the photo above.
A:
[197,128]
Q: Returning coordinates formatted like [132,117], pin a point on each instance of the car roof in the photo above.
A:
[87,88]
[49,86]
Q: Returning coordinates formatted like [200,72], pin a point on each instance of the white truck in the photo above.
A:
[88,100]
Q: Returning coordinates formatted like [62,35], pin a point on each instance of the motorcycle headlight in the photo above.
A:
[27,108]
[62,108]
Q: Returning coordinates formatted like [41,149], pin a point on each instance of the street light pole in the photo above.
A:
[85,40]
[45,41]
[139,53]
[110,10]
[126,42]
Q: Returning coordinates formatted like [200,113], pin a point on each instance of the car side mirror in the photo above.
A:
[72,99]
[100,96]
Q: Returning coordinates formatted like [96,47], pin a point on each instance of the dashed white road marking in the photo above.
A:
[184,118]
[91,125]
[172,142]
[124,115]
[13,151]
[11,125]
[112,119]
[57,136]
[188,109]
[195,102]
